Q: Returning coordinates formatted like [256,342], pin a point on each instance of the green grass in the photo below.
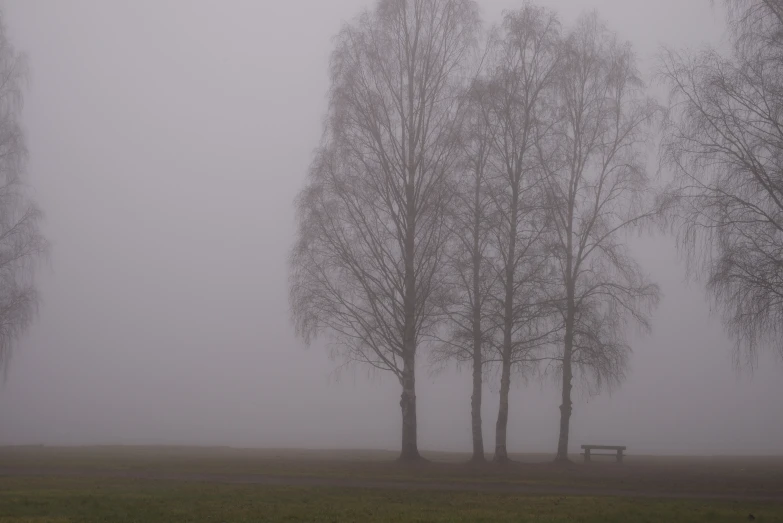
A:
[74,500]
[729,476]
[90,494]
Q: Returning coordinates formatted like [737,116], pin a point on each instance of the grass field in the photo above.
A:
[60,500]
[41,484]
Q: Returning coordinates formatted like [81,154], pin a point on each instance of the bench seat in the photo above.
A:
[618,451]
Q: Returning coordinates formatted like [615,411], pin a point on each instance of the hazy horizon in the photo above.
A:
[167,143]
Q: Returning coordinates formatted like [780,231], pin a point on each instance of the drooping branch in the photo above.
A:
[723,142]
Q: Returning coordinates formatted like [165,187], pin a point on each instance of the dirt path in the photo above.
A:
[307,481]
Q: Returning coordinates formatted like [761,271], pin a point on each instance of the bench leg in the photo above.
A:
[619,456]
[587,455]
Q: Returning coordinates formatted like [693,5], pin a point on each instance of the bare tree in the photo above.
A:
[597,189]
[723,142]
[366,269]
[468,266]
[523,68]
[21,242]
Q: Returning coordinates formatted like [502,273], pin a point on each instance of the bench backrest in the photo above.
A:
[603,447]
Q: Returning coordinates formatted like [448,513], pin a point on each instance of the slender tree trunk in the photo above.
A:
[478,357]
[475,401]
[410,447]
[566,405]
[501,453]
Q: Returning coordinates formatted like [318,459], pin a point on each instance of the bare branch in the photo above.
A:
[723,142]
[367,268]
[597,189]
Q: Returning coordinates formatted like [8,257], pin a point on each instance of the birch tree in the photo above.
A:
[723,143]
[366,270]
[468,262]
[598,189]
[524,69]
[21,242]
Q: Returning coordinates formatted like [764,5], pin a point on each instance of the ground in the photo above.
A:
[43,484]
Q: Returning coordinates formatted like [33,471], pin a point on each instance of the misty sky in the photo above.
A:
[168,140]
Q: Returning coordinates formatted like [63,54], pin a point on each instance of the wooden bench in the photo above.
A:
[618,451]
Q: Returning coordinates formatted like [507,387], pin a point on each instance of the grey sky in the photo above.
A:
[168,140]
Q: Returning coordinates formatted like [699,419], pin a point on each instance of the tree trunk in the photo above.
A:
[565,406]
[478,357]
[410,447]
[475,403]
[501,453]
[565,416]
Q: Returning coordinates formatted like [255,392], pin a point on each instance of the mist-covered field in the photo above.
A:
[112,483]
[60,500]
[464,238]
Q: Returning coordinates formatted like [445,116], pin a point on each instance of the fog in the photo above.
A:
[167,142]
